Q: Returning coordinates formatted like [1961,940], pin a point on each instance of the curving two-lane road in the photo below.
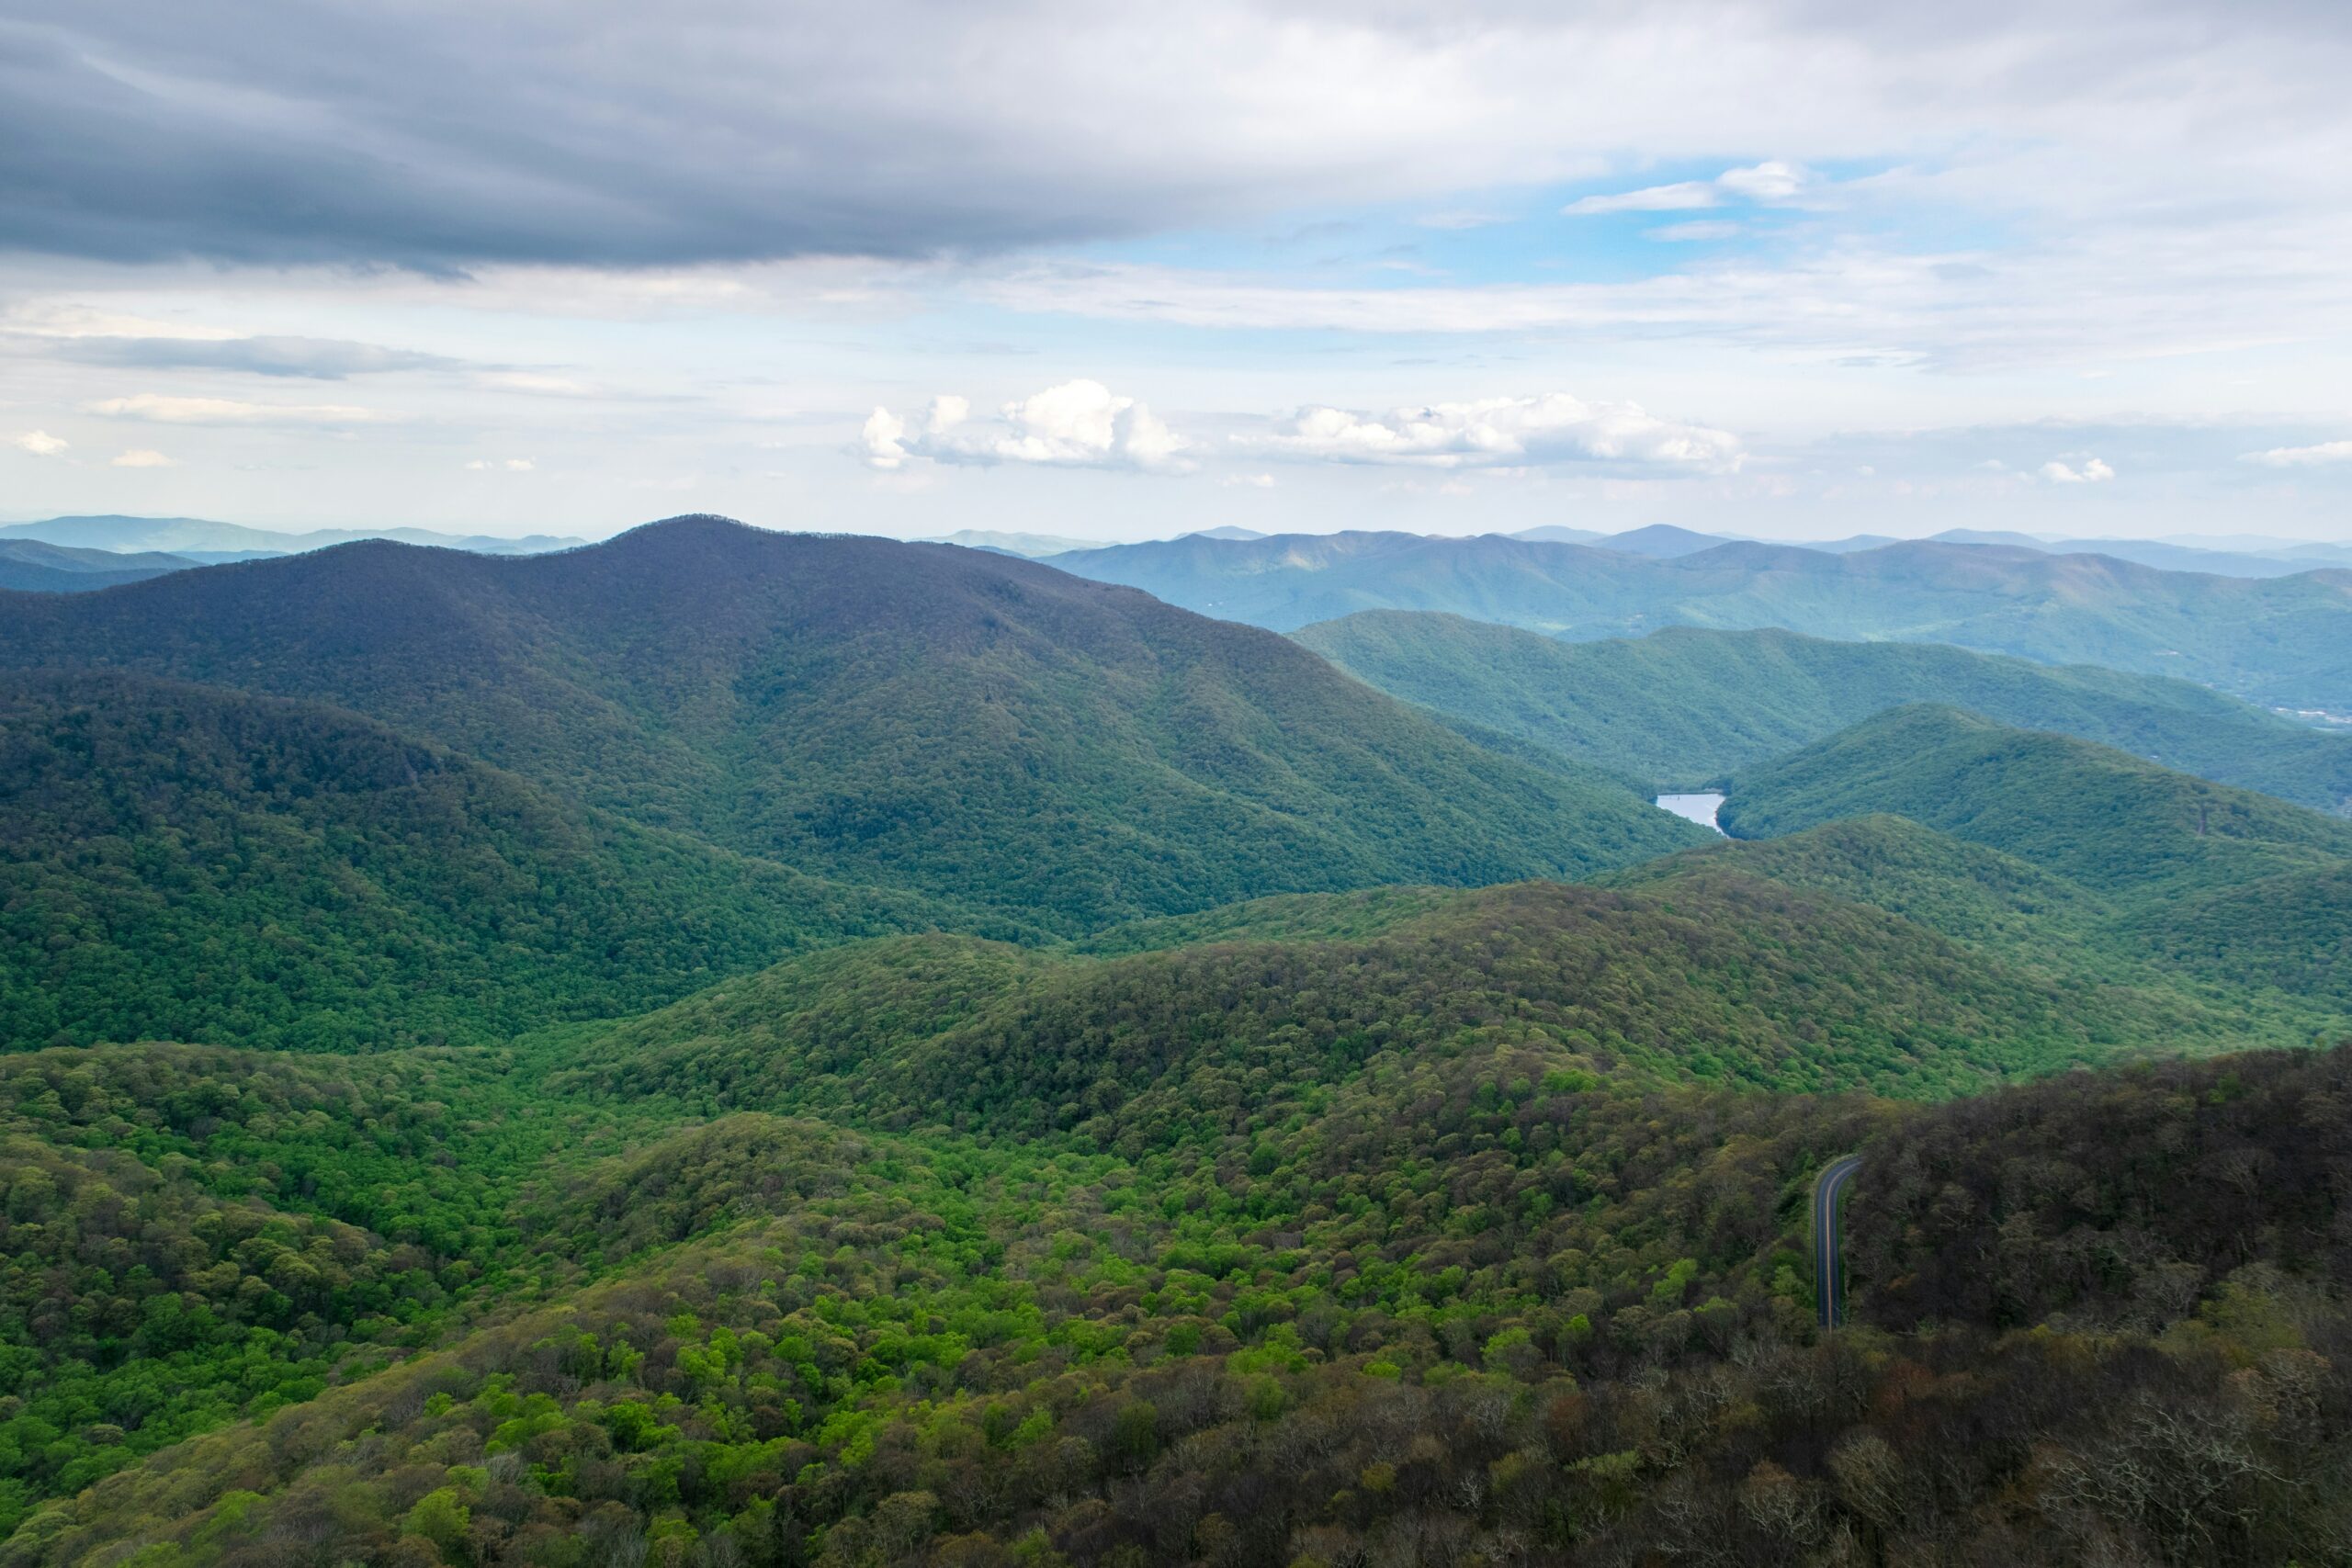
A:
[1828,1258]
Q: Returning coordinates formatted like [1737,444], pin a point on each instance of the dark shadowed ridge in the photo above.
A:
[975,727]
[253,871]
[35,566]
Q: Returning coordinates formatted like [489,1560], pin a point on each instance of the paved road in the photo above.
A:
[1829,1261]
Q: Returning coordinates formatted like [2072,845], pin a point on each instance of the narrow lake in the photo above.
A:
[1697,807]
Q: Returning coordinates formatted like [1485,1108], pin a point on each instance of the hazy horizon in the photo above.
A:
[2247,542]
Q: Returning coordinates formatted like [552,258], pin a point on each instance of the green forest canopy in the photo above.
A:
[1689,707]
[666,1180]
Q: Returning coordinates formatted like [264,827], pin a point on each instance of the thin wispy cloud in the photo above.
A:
[2323,452]
[1763,183]
[1683,196]
[165,409]
[1501,432]
[317,359]
[1867,304]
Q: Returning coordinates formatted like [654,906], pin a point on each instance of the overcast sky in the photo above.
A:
[1782,270]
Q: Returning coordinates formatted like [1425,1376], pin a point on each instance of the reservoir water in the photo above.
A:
[1697,807]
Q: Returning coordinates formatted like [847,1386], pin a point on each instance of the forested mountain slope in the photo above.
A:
[1030,1337]
[1737,980]
[2174,1198]
[2281,641]
[1686,707]
[33,566]
[1479,1296]
[2090,813]
[950,722]
[195,1235]
[2031,843]
[184,863]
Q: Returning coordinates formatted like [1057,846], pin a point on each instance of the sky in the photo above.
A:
[1788,268]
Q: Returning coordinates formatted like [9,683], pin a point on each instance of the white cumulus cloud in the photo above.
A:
[1501,432]
[1078,424]
[143,458]
[2303,456]
[39,443]
[2090,471]
[883,441]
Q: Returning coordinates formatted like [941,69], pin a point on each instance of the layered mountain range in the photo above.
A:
[742,1050]
[1687,707]
[2277,641]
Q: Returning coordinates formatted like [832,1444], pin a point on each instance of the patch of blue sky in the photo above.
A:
[1517,237]
[1523,235]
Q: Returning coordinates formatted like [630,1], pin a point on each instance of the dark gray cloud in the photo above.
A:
[310,358]
[439,138]
[445,135]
